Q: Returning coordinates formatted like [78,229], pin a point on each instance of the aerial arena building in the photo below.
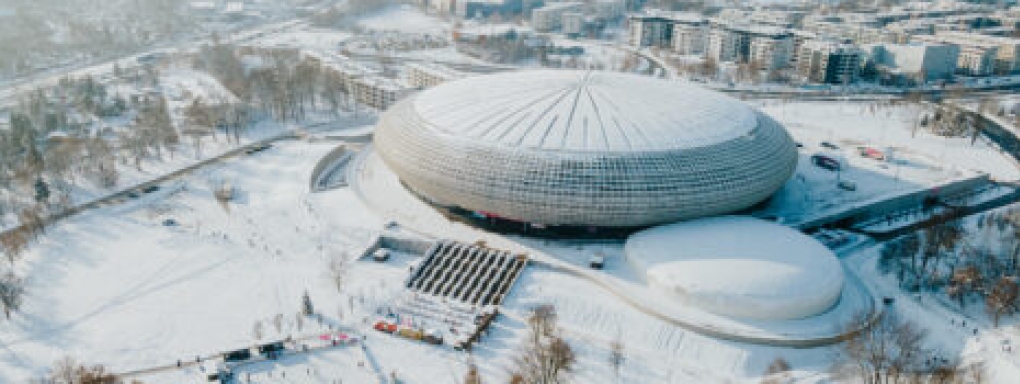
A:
[551,148]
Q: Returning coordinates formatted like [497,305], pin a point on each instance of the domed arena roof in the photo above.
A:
[592,149]
[583,111]
[739,266]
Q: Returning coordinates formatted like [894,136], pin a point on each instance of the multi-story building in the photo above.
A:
[769,47]
[606,10]
[829,62]
[365,85]
[550,16]
[483,8]
[651,30]
[690,36]
[378,92]
[726,44]
[919,62]
[980,55]
[799,38]
[573,23]
[771,50]
[423,76]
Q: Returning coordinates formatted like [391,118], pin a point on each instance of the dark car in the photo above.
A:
[826,162]
[238,355]
[829,145]
[150,189]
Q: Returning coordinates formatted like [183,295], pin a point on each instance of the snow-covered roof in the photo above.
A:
[738,265]
[583,111]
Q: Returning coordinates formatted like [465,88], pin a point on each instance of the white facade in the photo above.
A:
[979,55]
[829,62]
[423,76]
[365,85]
[690,38]
[608,9]
[581,148]
[650,31]
[920,61]
[771,51]
[1005,58]
[573,23]
[550,17]
[724,44]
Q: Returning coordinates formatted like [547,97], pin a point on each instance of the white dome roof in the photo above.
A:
[739,266]
[583,111]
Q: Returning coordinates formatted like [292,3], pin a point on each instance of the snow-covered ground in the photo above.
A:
[306,37]
[117,287]
[402,18]
[950,334]
[917,159]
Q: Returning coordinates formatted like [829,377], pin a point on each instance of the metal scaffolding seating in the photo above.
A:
[468,273]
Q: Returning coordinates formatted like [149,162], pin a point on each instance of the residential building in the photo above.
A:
[980,55]
[829,62]
[799,38]
[650,30]
[573,23]
[365,85]
[690,37]
[725,44]
[421,76]
[771,50]
[550,16]
[770,47]
[607,10]
[919,62]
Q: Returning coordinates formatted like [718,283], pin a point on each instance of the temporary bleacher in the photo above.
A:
[472,274]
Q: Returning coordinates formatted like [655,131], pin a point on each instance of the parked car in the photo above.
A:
[827,162]
[381,255]
[597,261]
[847,185]
[871,153]
[257,149]
[237,355]
[150,189]
[829,145]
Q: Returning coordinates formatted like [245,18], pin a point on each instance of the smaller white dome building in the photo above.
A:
[739,266]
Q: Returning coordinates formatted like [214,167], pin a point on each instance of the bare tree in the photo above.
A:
[13,243]
[777,372]
[70,371]
[887,351]
[472,376]
[1002,299]
[616,357]
[257,330]
[338,271]
[12,291]
[544,357]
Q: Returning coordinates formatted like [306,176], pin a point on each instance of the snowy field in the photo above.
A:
[402,18]
[116,286]
[306,37]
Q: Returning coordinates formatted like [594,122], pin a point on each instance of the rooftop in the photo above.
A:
[583,111]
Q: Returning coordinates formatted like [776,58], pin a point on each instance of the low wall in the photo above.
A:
[325,165]
[906,201]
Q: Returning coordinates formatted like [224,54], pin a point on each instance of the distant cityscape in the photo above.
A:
[910,44]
